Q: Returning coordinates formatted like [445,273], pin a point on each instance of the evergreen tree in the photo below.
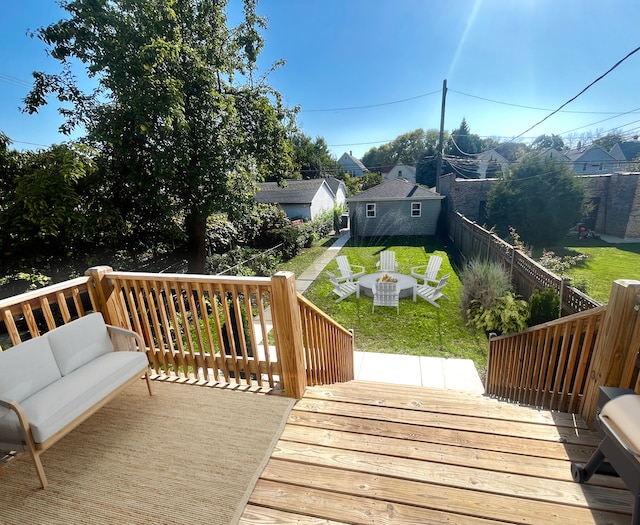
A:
[540,198]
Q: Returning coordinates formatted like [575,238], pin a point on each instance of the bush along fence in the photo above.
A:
[473,241]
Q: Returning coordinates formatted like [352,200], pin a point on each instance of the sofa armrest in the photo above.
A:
[15,407]
[132,340]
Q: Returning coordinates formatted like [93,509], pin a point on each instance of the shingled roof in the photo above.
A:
[396,189]
[295,191]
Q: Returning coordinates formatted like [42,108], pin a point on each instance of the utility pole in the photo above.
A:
[441,140]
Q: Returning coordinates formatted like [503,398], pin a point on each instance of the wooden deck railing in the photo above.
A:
[30,314]
[546,365]
[560,365]
[247,330]
[328,346]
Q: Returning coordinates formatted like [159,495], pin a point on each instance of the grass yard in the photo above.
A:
[419,328]
[306,257]
[606,263]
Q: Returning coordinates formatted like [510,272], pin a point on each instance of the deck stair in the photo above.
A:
[363,452]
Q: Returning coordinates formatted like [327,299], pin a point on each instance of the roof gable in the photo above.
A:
[396,189]
[335,184]
[590,153]
[295,192]
[348,159]
[630,149]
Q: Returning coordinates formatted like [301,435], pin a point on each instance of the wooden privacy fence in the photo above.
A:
[560,365]
[474,242]
[247,330]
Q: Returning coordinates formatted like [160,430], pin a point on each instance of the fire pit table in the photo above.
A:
[406,283]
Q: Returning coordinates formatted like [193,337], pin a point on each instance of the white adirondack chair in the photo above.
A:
[429,272]
[386,294]
[344,289]
[432,293]
[348,272]
[387,262]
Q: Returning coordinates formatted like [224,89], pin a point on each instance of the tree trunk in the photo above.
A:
[196,229]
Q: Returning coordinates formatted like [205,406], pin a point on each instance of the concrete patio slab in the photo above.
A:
[434,372]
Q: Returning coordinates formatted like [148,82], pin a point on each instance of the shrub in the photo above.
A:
[545,306]
[507,315]
[483,282]
[221,234]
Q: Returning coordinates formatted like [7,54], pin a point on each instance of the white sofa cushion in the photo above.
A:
[24,370]
[60,403]
[76,343]
[27,368]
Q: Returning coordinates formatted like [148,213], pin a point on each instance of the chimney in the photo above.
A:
[351,153]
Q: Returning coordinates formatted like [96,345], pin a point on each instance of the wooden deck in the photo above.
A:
[370,453]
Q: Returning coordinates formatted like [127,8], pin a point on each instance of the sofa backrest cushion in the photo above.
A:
[79,342]
[27,368]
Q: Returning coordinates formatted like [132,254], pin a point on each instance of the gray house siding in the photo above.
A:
[352,165]
[394,218]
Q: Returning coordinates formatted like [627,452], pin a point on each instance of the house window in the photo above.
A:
[416,209]
[371,210]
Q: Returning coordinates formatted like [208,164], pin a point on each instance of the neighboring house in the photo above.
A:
[553,154]
[488,158]
[625,152]
[351,165]
[339,190]
[395,207]
[300,199]
[591,161]
[400,171]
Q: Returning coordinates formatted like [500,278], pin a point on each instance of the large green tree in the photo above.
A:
[312,158]
[186,125]
[407,148]
[541,198]
[548,141]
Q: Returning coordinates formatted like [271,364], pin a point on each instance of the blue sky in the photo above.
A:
[388,58]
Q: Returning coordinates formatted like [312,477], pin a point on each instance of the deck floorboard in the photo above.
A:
[364,453]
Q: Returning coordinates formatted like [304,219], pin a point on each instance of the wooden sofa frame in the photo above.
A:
[36,449]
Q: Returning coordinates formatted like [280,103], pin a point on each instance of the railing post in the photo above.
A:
[287,327]
[616,348]
[107,300]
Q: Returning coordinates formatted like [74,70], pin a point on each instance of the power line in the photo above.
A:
[581,92]
[531,107]
[13,80]
[372,105]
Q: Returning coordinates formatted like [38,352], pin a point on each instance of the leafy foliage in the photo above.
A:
[560,264]
[182,136]
[544,306]
[540,198]
[507,315]
[312,158]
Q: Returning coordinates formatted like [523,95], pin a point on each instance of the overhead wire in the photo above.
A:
[531,107]
[372,105]
[581,92]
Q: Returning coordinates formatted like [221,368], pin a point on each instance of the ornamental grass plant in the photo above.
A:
[483,283]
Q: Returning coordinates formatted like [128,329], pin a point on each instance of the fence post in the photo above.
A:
[108,302]
[287,328]
[616,348]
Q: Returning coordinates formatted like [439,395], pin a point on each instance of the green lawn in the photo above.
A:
[606,263]
[419,328]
